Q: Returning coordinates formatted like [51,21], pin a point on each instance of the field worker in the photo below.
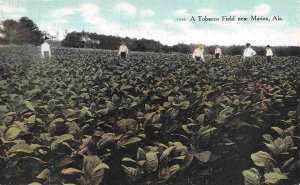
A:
[218,51]
[45,49]
[248,52]
[198,53]
[269,53]
[123,51]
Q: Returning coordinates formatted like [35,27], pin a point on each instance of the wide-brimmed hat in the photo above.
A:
[46,38]
[248,44]
[217,45]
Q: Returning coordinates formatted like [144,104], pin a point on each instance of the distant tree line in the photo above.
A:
[93,40]
[23,31]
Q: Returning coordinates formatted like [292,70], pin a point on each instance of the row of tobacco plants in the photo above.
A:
[88,117]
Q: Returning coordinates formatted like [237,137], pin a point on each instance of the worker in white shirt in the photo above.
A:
[269,53]
[218,51]
[123,50]
[248,52]
[45,49]
[198,53]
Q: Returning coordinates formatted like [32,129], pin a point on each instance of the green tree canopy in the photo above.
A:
[20,32]
[73,39]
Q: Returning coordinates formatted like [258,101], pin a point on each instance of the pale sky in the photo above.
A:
[157,19]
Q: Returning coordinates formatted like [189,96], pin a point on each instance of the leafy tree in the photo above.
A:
[8,30]
[182,48]
[94,40]
[140,46]
[234,50]
[73,39]
[166,48]
[22,31]
[260,50]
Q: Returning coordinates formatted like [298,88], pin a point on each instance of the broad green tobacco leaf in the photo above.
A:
[274,178]
[206,131]
[20,147]
[68,112]
[200,118]
[261,158]
[129,160]
[287,162]
[185,104]
[31,119]
[166,153]
[100,167]
[12,133]
[278,130]
[251,176]
[35,183]
[173,169]
[149,116]
[7,119]
[60,139]
[221,118]
[107,137]
[203,156]
[93,169]
[186,129]
[130,172]
[84,111]
[187,161]
[33,92]
[268,137]
[127,125]
[151,161]
[141,155]
[10,114]
[70,171]
[165,173]
[224,114]
[21,126]
[45,174]
[29,105]
[288,142]
[130,141]
[57,120]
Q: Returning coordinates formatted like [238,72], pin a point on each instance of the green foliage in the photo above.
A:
[93,40]
[88,117]
[273,178]
[261,159]
[252,177]
[22,31]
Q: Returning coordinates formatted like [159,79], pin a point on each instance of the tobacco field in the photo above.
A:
[88,117]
